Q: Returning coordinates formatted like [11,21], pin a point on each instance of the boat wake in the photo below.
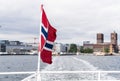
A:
[70,63]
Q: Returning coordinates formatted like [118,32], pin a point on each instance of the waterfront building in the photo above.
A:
[100,38]
[87,44]
[60,48]
[14,47]
[15,43]
[100,45]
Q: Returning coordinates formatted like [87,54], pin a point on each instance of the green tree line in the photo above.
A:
[74,49]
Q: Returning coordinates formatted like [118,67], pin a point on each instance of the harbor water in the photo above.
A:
[22,63]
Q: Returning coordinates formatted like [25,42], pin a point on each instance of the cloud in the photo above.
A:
[29,38]
[75,20]
[21,16]
[88,17]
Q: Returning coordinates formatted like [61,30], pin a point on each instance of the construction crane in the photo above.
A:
[35,39]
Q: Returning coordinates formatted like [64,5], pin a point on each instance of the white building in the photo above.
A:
[15,47]
[60,48]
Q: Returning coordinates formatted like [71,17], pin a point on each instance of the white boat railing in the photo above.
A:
[13,73]
[34,74]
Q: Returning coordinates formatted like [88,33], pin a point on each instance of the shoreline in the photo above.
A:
[86,54]
[17,54]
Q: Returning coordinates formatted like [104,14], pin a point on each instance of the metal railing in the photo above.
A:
[34,74]
[12,73]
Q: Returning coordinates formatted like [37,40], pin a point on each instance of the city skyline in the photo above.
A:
[75,21]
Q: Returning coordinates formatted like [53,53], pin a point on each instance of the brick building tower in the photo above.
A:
[100,38]
[114,41]
[114,38]
[100,47]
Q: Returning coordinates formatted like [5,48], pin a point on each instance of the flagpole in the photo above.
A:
[38,66]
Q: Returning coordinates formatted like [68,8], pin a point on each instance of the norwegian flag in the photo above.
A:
[48,36]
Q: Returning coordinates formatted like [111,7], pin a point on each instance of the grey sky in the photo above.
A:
[75,20]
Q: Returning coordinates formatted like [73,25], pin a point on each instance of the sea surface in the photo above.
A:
[18,63]
[22,63]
